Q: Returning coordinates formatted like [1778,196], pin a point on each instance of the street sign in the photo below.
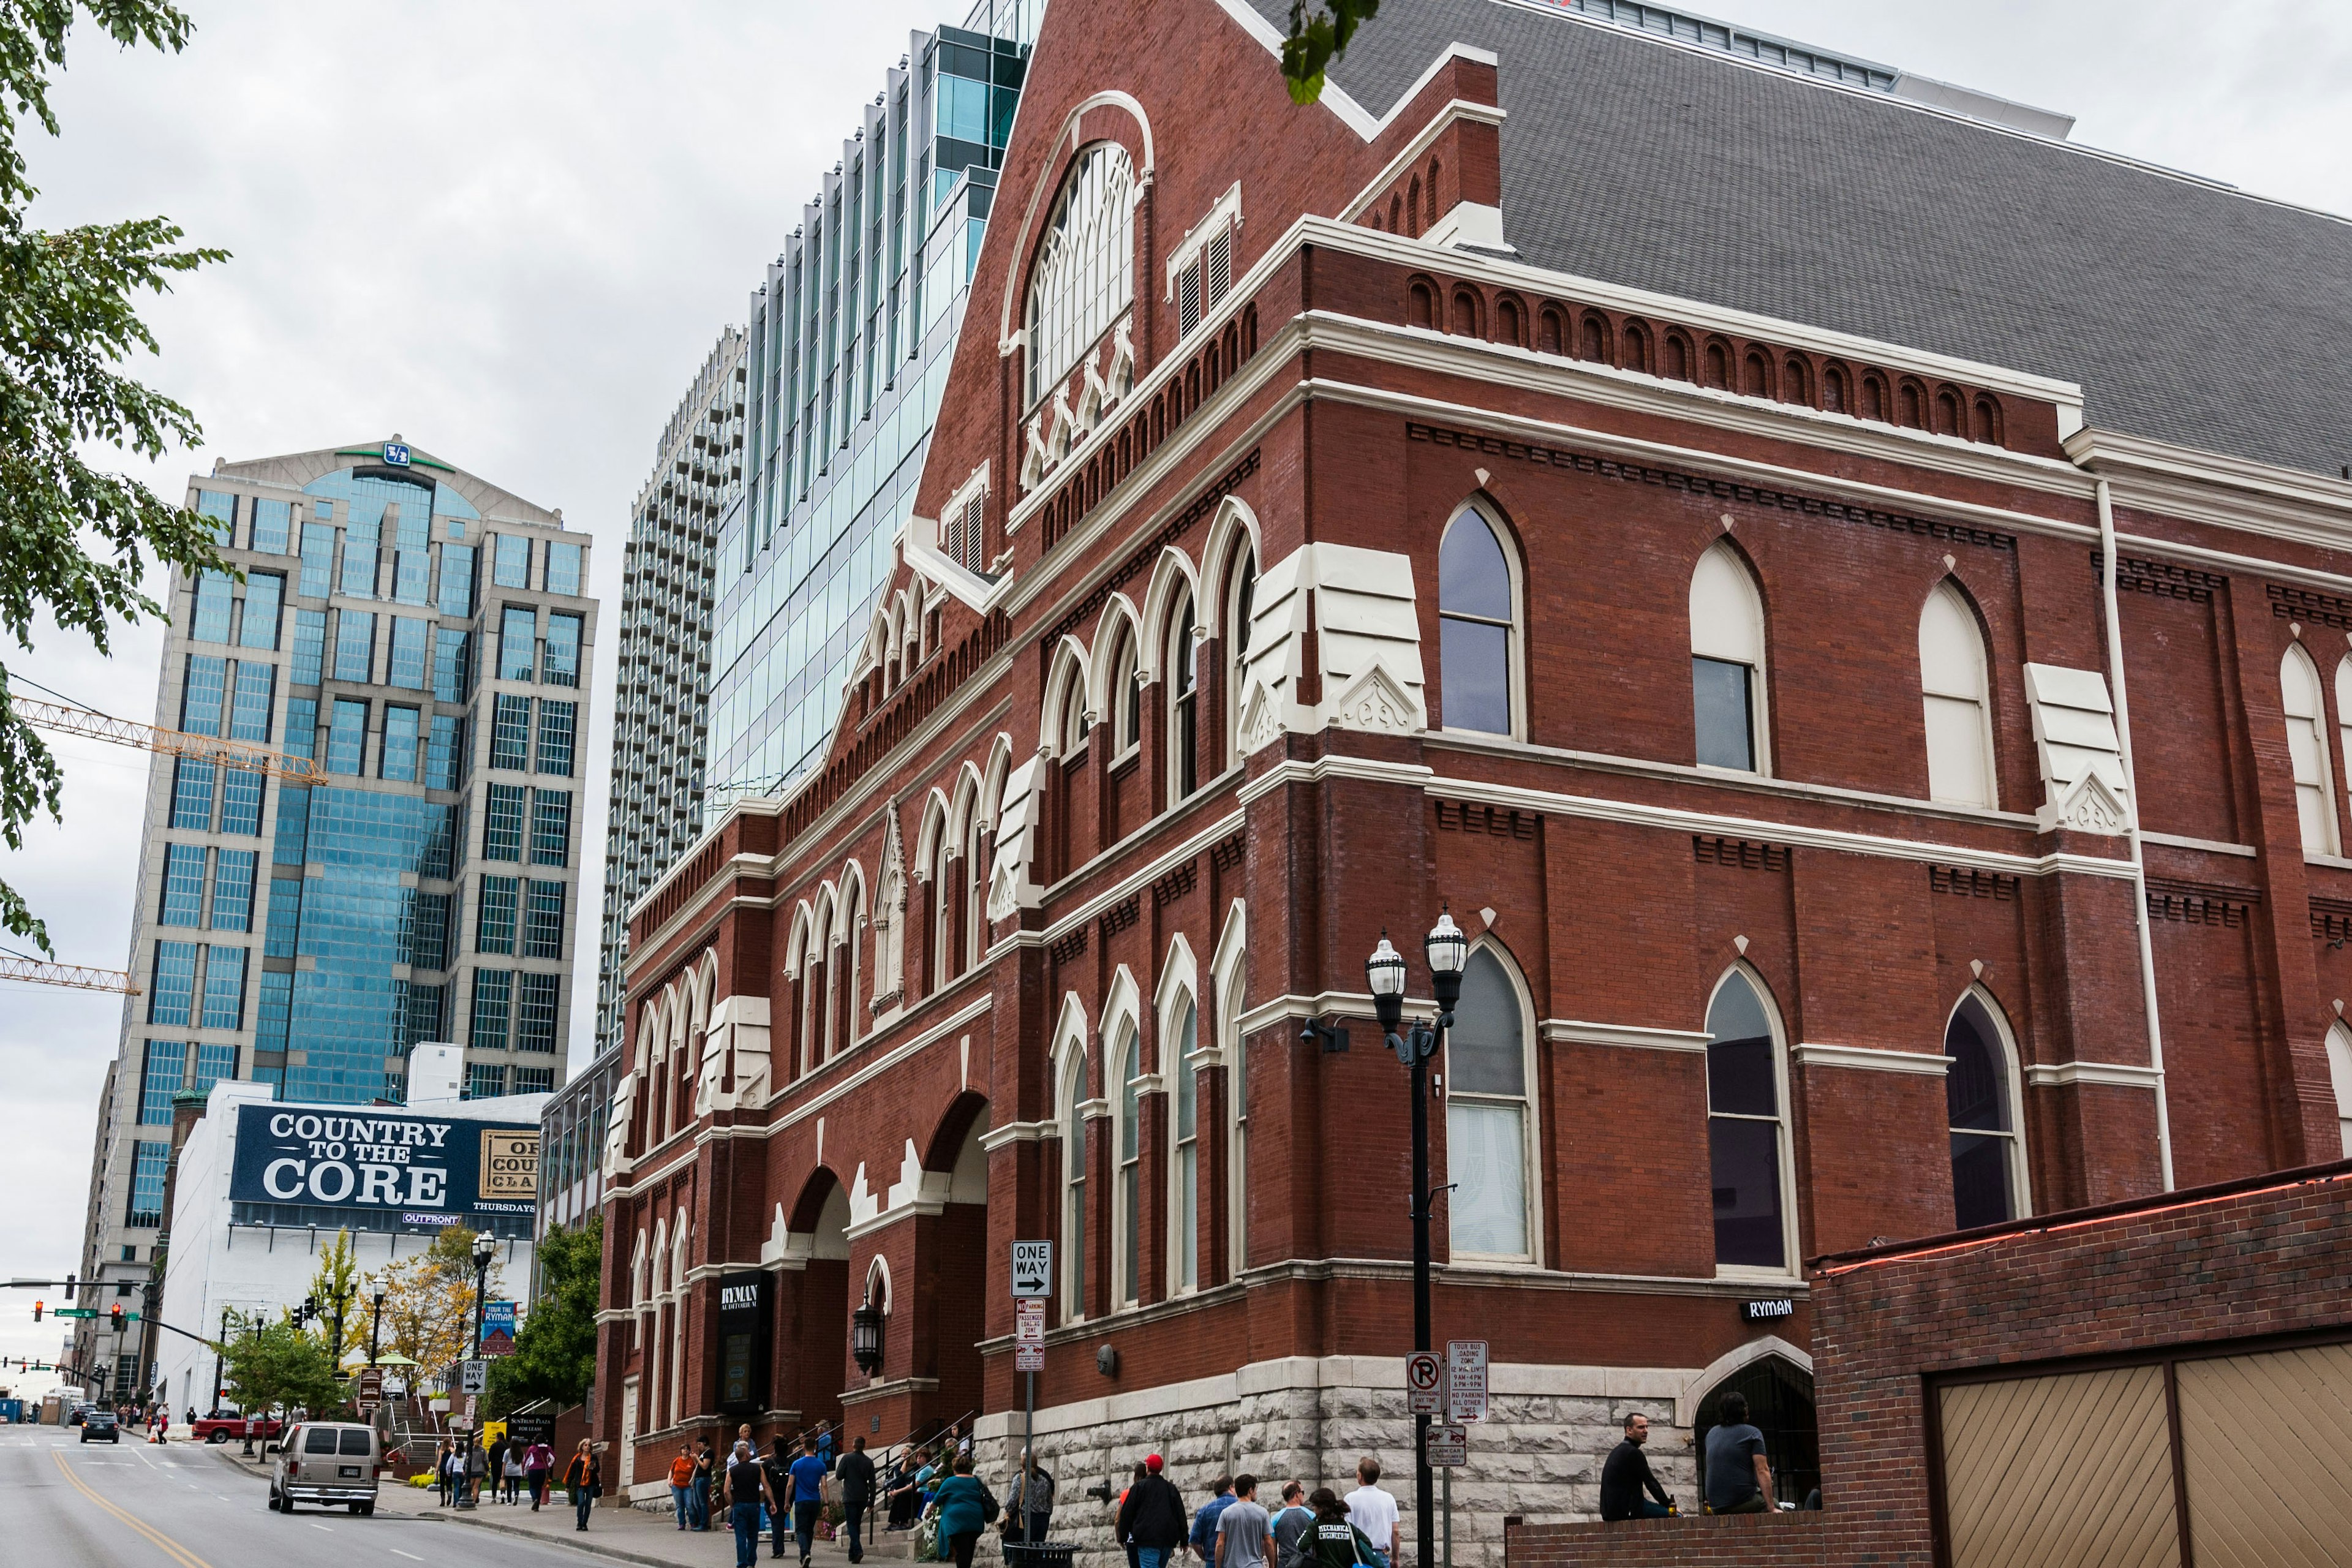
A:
[1425,1390]
[1029,1321]
[1448,1444]
[473,1377]
[1466,1380]
[1028,1358]
[88,1312]
[1764,1311]
[1033,1268]
[370,1392]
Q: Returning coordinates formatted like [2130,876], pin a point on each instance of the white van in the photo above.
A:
[329,1463]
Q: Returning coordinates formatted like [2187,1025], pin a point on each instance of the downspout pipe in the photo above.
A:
[2107,571]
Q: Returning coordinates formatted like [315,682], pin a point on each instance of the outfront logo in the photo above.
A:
[397,454]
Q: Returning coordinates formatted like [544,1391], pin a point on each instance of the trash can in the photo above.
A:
[1040,1554]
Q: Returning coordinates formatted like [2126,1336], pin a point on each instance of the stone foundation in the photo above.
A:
[1537,1458]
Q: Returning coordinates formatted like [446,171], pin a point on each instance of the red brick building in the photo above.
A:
[1647,496]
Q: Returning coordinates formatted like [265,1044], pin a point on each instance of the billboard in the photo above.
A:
[498,1329]
[430,1170]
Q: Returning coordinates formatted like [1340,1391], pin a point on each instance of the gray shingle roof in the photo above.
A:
[2189,313]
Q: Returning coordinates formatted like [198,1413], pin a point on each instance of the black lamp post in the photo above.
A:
[1385,970]
[375,1328]
[486,1248]
[866,1337]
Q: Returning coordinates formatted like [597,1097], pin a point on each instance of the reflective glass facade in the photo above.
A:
[307,933]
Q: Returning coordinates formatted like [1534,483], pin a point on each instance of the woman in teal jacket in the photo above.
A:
[963,1505]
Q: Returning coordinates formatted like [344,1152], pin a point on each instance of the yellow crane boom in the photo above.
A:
[244,754]
[78,977]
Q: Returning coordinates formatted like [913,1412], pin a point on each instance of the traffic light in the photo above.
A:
[114,1315]
[69,1287]
[36,1311]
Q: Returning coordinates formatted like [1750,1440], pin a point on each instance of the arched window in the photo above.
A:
[1180,657]
[944,880]
[975,893]
[1085,272]
[2307,745]
[1727,618]
[2339,1073]
[1746,1141]
[1074,1186]
[1489,1116]
[1477,624]
[1127,1208]
[1229,1013]
[1952,679]
[1125,696]
[1980,1093]
[1241,601]
[1184,1169]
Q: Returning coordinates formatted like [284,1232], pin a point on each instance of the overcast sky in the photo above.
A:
[510,232]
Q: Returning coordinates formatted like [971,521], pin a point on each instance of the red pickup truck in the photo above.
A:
[222,1426]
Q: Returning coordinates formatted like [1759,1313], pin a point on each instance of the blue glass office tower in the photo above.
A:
[847,357]
[423,638]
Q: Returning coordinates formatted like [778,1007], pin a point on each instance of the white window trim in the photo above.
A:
[1530,1131]
[1793,1267]
[2331,833]
[1759,684]
[1989,781]
[1515,657]
[1126,1053]
[1074,1110]
[2021,1173]
[1225,213]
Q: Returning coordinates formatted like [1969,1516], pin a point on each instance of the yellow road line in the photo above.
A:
[172,1549]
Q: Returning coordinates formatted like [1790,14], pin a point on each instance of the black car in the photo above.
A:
[101,1423]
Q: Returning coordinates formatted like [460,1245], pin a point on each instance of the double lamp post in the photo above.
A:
[1447,949]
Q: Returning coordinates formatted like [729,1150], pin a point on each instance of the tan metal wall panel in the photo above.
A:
[2071,1471]
[2264,1441]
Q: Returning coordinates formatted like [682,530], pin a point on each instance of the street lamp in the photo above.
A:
[375,1328]
[486,1247]
[1446,948]
[866,1337]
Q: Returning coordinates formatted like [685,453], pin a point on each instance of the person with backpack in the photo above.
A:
[1334,1543]
[855,1473]
[965,1507]
[1152,1517]
[1030,1509]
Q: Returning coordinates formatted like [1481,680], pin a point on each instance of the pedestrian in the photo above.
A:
[1372,1512]
[1336,1542]
[1030,1511]
[706,1476]
[441,1472]
[745,1488]
[536,1461]
[681,1485]
[1739,1481]
[806,1484]
[511,1471]
[1290,1525]
[856,1474]
[1152,1515]
[1126,1540]
[583,1479]
[1245,1537]
[964,1508]
[779,1462]
[1626,1475]
[1203,1539]
[825,1445]
[907,1488]
[477,1464]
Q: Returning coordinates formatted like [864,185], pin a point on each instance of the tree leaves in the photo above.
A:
[1317,39]
[280,1367]
[74,540]
[555,1350]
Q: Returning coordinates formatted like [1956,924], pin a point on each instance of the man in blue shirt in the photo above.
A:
[1204,1523]
[807,1485]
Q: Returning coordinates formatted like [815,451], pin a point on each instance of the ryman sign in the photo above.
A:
[436,1169]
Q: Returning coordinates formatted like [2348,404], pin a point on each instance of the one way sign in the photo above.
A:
[1033,1268]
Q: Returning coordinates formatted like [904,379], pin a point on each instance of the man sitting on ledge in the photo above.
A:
[1737,1479]
[1626,1475]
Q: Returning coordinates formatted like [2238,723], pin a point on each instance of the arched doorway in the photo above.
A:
[958,1244]
[816,1334]
[1781,1405]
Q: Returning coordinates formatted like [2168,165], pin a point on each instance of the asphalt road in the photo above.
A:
[70,1505]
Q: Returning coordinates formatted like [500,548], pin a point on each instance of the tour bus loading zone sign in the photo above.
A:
[1033,1268]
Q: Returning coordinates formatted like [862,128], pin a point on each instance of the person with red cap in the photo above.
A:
[1152,1515]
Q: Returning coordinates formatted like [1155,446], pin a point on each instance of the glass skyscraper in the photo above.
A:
[847,358]
[661,697]
[424,639]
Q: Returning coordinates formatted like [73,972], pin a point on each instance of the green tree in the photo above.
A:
[1318,35]
[338,1278]
[280,1367]
[74,540]
[555,1349]
[428,1304]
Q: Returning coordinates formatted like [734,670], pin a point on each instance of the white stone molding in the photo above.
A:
[1369,638]
[1871,1059]
[1686,1402]
[1478,224]
[1012,880]
[1641,1037]
[2116,1075]
[1013,1132]
[2082,758]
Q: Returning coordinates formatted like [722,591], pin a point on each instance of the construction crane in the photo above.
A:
[70,720]
[80,978]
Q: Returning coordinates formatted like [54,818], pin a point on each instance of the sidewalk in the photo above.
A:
[622,1534]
